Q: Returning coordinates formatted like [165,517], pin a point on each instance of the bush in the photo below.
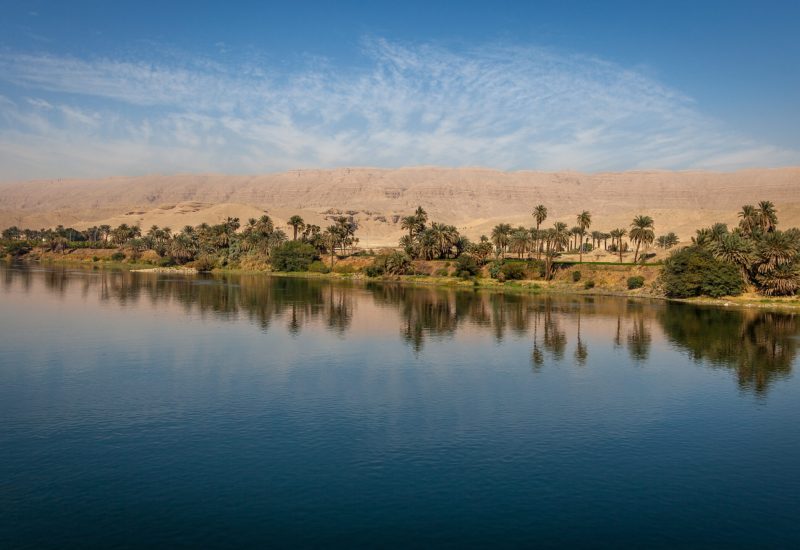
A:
[318,267]
[576,276]
[204,263]
[167,261]
[495,270]
[293,256]
[398,263]
[95,258]
[467,266]
[376,268]
[513,271]
[588,284]
[694,271]
[637,281]
[117,256]
[15,249]
[443,272]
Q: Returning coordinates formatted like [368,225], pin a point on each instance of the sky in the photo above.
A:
[93,89]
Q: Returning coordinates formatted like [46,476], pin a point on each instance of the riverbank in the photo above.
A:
[607,279]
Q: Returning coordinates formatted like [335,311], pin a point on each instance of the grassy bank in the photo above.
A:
[594,279]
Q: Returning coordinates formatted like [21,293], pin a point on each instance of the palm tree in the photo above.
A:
[767,215]
[735,249]
[749,219]
[560,237]
[296,222]
[584,222]
[331,239]
[575,232]
[776,249]
[641,233]
[540,215]
[520,241]
[617,235]
[500,236]
[410,223]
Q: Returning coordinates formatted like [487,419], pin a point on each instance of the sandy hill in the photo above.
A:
[472,199]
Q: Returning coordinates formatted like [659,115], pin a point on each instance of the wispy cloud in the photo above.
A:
[499,106]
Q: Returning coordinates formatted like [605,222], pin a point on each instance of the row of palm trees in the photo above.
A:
[224,243]
[560,237]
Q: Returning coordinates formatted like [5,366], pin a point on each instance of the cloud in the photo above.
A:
[500,106]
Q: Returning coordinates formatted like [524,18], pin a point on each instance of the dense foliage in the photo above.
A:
[694,271]
[293,256]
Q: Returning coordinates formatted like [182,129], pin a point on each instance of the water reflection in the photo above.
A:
[760,347]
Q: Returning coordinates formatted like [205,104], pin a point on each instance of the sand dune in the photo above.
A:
[473,199]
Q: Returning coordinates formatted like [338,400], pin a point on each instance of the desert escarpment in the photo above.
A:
[472,199]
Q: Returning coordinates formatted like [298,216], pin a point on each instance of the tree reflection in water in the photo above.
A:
[759,346]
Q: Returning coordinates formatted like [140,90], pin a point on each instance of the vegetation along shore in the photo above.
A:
[755,262]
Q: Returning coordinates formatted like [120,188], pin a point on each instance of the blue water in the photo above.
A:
[154,410]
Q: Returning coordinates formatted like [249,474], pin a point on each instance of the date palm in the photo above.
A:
[539,215]
[410,223]
[735,249]
[768,216]
[296,223]
[520,241]
[749,219]
[641,233]
[500,236]
[584,222]
[617,235]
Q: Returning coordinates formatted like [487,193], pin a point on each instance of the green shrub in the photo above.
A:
[637,281]
[203,263]
[467,266]
[693,271]
[588,284]
[15,249]
[377,268]
[398,263]
[495,270]
[167,261]
[117,256]
[318,267]
[95,258]
[576,276]
[293,256]
[443,272]
[513,271]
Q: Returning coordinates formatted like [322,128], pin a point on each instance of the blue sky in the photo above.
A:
[102,88]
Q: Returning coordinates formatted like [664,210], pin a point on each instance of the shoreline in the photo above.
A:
[530,287]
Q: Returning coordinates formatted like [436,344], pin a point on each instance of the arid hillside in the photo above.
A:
[472,199]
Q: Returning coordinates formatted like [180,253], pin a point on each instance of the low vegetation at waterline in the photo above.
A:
[754,256]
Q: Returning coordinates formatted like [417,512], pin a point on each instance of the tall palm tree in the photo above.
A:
[296,223]
[410,223]
[560,236]
[540,215]
[617,235]
[575,232]
[520,241]
[749,219]
[768,216]
[500,236]
[584,222]
[641,233]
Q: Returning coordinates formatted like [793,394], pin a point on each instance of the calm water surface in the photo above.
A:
[143,410]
